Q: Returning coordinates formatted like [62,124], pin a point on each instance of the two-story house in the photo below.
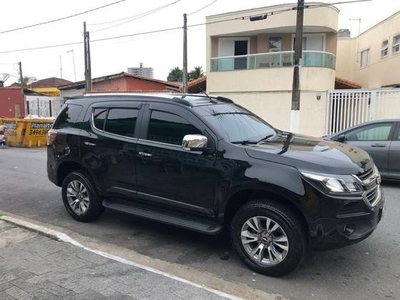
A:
[250,59]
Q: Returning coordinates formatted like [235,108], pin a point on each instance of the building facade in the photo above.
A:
[141,71]
[252,61]
[372,58]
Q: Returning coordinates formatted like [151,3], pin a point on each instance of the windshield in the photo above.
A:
[240,127]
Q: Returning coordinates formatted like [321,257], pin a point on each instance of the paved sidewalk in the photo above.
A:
[35,266]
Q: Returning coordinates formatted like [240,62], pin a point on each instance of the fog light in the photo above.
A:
[349,229]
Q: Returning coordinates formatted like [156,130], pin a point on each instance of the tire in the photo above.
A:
[80,197]
[269,237]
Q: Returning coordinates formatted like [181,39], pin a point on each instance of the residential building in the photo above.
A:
[252,62]
[48,86]
[11,102]
[120,82]
[141,71]
[372,59]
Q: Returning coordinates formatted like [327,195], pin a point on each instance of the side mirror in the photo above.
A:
[194,142]
[341,138]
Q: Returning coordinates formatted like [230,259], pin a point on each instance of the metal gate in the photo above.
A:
[346,108]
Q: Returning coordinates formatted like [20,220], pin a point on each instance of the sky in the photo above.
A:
[160,50]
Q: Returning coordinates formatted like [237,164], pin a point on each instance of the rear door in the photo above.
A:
[376,139]
[108,146]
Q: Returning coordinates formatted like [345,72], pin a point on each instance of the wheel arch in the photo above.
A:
[67,167]
[242,197]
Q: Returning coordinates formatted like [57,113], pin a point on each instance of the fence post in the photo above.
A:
[372,107]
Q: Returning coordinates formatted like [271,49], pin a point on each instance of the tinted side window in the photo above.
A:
[169,128]
[375,132]
[121,121]
[67,116]
[99,116]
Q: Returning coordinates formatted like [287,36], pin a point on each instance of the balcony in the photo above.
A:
[281,59]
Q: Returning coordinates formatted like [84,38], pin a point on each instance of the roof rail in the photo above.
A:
[181,101]
[224,99]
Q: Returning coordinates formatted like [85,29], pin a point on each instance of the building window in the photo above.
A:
[275,44]
[364,58]
[396,44]
[385,48]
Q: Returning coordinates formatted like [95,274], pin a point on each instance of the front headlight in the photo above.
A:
[335,183]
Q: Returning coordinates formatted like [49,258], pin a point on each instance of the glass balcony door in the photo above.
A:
[231,47]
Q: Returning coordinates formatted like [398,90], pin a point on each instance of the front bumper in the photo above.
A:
[354,221]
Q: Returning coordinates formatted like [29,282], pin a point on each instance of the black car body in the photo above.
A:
[380,138]
[204,163]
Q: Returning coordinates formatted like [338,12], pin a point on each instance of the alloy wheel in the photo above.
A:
[264,240]
[78,197]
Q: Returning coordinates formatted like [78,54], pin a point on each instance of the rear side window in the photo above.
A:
[68,116]
[169,128]
[121,121]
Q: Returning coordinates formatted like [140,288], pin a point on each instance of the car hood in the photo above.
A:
[312,154]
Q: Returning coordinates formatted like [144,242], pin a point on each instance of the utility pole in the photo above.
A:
[60,67]
[295,112]
[88,68]
[185,75]
[21,78]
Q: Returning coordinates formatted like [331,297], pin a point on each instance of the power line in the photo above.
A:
[272,13]
[136,17]
[60,19]
[200,9]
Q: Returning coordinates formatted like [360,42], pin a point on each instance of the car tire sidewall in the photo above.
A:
[95,207]
[289,223]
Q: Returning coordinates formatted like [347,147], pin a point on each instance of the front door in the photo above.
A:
[168,174]
[376,140]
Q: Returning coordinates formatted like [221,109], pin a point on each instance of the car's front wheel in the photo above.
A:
[269,237]
[80,198]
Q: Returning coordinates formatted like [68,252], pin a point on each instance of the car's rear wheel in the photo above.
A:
[269,237]
[80,198]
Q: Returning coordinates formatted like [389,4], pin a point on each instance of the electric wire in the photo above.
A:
[60,19]
[136,17]
[168,29]
[200,9]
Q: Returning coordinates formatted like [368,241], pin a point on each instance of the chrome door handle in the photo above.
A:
[145,154]
[89,144]
[378,145]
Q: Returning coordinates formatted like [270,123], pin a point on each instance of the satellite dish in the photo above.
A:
[4,76]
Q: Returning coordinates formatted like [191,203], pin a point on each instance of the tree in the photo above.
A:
[197,72]
[175,75]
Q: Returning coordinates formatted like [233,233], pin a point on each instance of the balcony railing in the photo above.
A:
[272,60]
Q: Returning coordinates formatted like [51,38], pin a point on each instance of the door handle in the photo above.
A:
[145,154]
[89,144]
[378,145]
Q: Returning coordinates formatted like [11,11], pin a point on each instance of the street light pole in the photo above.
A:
[295,111]
[73,61]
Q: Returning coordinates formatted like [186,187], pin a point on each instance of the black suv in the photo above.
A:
[204,163]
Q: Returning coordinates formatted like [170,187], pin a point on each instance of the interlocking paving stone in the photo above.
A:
[36,267]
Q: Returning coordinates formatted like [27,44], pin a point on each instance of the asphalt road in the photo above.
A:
[368,270]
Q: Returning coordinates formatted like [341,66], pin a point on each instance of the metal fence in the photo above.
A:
[346,108]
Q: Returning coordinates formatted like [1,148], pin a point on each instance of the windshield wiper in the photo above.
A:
[265,138]
[246,142]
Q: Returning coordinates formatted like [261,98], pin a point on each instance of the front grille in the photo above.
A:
[370,181]
[366,174]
